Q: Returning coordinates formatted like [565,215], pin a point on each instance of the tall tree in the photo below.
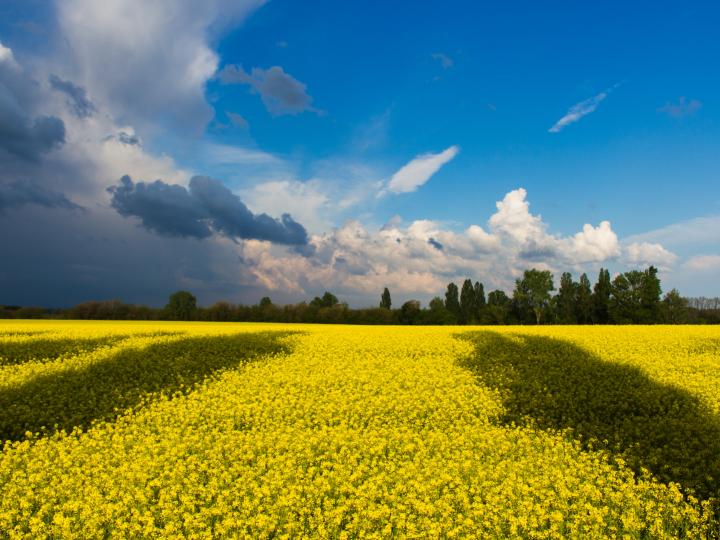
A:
[601,298]
[452,300]
[181,306]
[532,292]
[565,300]
[467,302]
[479,301]
[650,292]
[498,307]
[385,301]
[674,308]
[625,297]
[583,301]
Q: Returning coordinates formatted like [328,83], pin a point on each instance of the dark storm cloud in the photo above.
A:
[280,92]
[93,255]
[18,193]
[207,207]
[229,215]
[22,133]
[163,208]
[78,100]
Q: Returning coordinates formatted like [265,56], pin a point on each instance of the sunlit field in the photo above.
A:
[287,431]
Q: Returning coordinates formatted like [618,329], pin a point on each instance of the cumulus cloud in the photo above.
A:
[418,171]
[579,110]
[307,201]
[206,207]
[646,254]
[78,99]
[6,55]
[682,108]
[159,51]
[514,220]
[421,257]
[22,132]
[280,92]
[127,137]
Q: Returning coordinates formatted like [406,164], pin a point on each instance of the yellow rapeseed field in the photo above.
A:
[203,430]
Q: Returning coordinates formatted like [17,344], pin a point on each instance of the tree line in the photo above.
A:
[633,297]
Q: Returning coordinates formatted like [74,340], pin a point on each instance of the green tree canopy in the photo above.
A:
[452,300]
[601,298]
[498,307]
[583,301]
[532,292]
[328,300]
[650,291]
[467,302]
[674,308]
[565,299]
[479,301]
[410,312]
[181,306]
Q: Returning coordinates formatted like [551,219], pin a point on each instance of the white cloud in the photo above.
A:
[577,111]
[645,254]
[147,60]
[6,55]
[595,243]
[703,263]
[422,256]
[414,174]
[514,220]
[307,202]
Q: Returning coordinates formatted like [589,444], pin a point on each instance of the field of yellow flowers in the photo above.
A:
[205,430]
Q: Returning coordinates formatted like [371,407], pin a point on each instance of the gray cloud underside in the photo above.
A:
[205,208]
[18,193]
[280,92]
[22,133]
[77,96]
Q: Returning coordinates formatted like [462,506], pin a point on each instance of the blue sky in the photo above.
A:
[384,130]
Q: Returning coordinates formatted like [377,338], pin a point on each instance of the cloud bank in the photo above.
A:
[422,257]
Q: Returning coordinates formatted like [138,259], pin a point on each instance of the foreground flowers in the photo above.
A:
[348,432]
